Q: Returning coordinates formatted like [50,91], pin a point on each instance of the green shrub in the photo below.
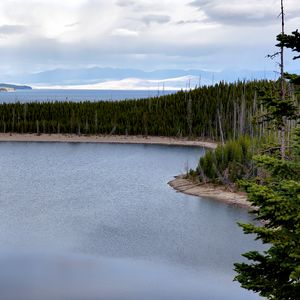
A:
[228,163]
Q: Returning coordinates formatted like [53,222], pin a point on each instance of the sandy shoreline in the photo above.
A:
[111,139]
[219,193]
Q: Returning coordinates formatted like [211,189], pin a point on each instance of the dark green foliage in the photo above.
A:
[293,78]
[228,163]
[278,109]
[291,41]
[194,113]
[275,274]
[233,161]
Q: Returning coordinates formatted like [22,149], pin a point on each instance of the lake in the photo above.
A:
[82,220]
[43,95]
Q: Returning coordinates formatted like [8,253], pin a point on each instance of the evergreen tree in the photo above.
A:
[275,274]
[291,41]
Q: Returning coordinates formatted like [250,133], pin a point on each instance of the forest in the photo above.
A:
[219,113]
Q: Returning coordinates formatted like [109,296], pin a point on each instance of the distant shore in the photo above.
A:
[110,139]
[215,192]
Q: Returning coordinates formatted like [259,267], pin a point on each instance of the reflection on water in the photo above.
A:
[115,223]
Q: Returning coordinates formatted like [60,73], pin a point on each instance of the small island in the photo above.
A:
[4,87]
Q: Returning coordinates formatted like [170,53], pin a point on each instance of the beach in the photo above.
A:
[110,139]
[216,192]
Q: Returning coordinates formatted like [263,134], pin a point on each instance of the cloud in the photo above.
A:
[160,19]
[200,3]
[12,29]
[143,34]
[124,32]
[184,22]
[125,3]
[72,24]
[244,13]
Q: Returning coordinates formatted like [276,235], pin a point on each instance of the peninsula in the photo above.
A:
[5,87]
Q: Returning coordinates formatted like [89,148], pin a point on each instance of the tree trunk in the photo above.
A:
[283,86]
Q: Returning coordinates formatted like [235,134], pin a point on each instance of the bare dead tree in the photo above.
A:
[242,113]
[190,114]
[220,126]
[282,81]
[37,127]
[96,122]
[234,120]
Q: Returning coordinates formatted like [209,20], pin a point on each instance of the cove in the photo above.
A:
[109,207]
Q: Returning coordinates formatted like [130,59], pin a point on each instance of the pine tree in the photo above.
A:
[275,274]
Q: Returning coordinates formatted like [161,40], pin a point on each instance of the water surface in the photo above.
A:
[43,95]
[110,204]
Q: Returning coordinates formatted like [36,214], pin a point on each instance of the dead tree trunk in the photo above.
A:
[283,85]
[220,126]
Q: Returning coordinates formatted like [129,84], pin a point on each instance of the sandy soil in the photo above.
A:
[215,192]
[113,139]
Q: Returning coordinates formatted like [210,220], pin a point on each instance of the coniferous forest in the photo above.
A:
[218,112]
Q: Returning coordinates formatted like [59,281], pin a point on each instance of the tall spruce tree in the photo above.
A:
[275,273]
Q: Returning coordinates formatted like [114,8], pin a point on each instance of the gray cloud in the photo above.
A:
[139,6]
[125,3]
[143,34]
[184,22]
[161,19]
[50,51]
[12,29]
[200,3]
[254,13]
[72,24]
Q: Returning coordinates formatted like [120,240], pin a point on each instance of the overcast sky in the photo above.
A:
[38,35]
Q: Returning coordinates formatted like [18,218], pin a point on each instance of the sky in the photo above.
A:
[212,35]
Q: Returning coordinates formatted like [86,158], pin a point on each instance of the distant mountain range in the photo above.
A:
[99,75]
[15,87]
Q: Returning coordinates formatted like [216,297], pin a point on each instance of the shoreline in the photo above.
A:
[215,192]
[180,184]
[107,139]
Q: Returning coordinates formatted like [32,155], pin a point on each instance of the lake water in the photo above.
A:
[43,95]
[82,220]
